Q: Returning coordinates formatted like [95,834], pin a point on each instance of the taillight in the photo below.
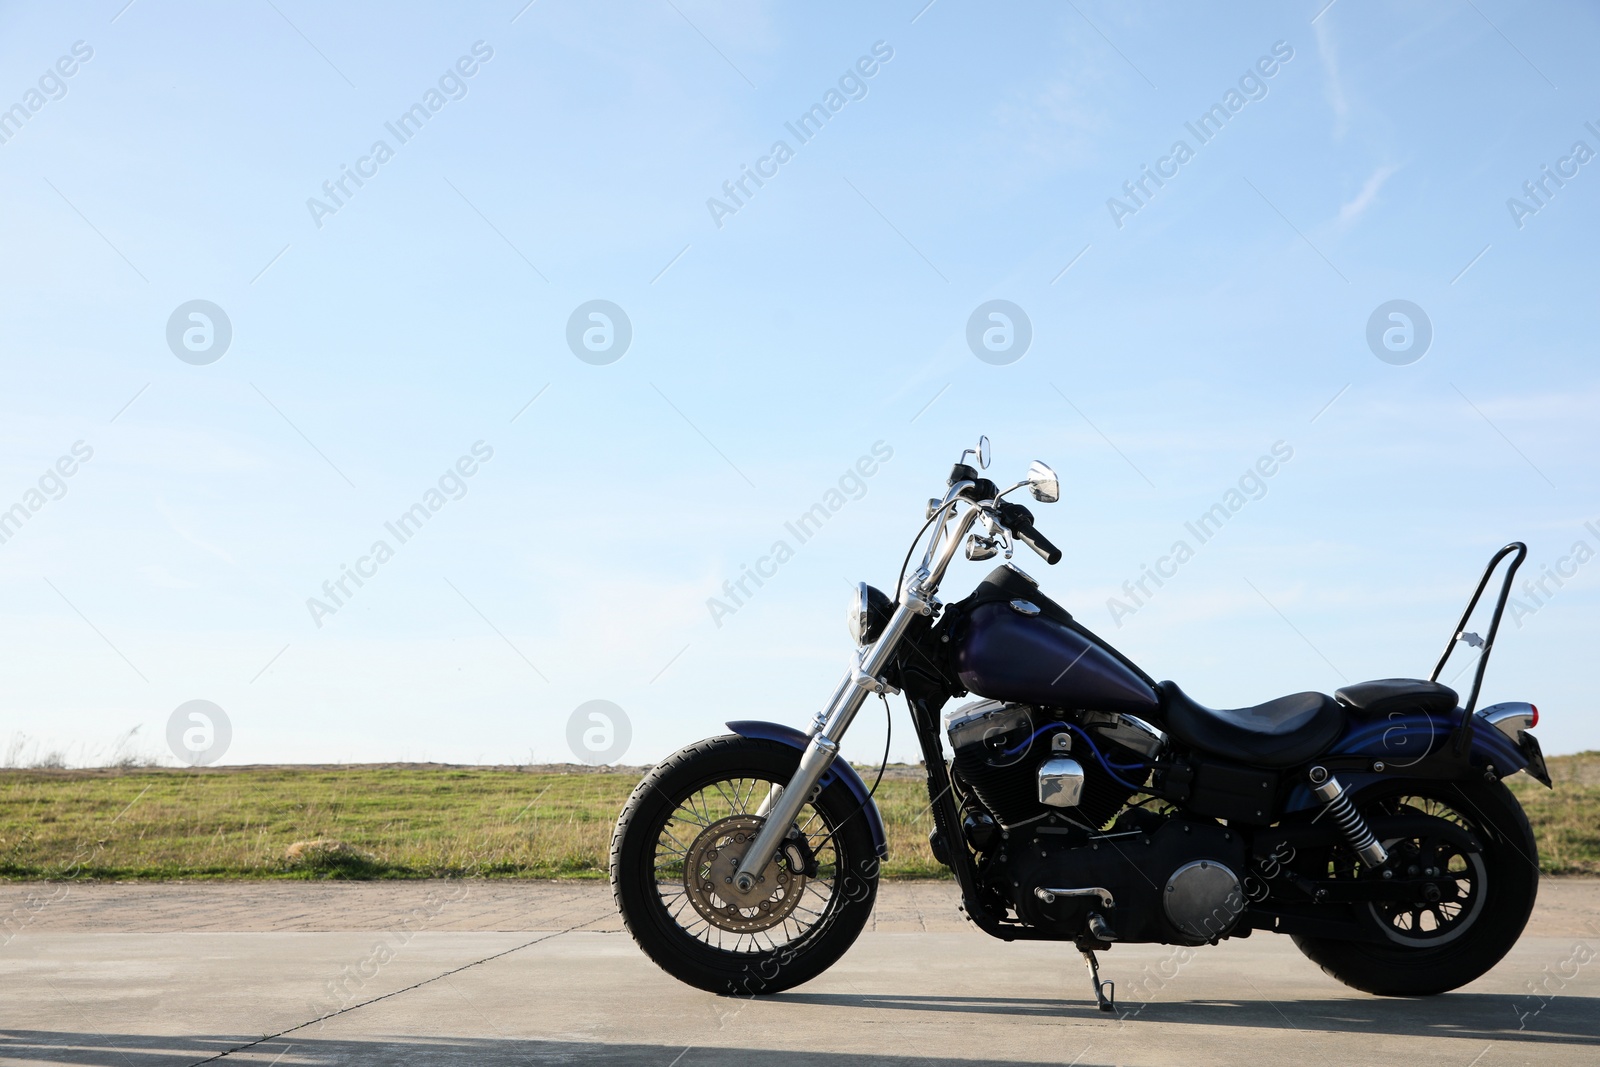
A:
[1535,720]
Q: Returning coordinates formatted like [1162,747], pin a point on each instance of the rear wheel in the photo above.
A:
[683,834]
[1435,946]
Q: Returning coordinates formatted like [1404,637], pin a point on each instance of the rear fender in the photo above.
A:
[1404,739]
[840,771]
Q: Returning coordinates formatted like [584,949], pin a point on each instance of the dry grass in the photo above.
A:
[411,821]
[1566,820]
[392,821]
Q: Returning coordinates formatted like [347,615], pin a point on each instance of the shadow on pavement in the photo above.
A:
[1564,1021]
[1479,1016]
[123,1050]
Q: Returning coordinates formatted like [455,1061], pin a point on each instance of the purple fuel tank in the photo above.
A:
[1004,654]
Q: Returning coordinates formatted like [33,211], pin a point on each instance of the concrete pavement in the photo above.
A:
[515,972]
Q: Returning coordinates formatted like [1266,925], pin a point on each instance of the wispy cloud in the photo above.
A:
[1053,125]
[157,575]
[1352,210]
[1333,88]
[182,529]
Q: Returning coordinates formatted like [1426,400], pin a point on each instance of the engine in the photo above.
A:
[1176,883]
[1046,796]
[1002,752]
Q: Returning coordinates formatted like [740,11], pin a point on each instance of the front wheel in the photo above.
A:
[683,833]
[1434,947]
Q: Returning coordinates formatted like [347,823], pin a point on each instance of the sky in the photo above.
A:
[546,320]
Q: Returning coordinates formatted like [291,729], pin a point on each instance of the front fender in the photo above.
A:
[840,771]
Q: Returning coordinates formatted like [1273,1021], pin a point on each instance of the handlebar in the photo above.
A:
[1020,521]
[1014,517]
[1040,544]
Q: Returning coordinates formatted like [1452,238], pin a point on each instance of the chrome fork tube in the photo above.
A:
[781,810]
[782,807]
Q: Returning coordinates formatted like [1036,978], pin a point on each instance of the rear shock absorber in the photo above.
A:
[1331,792]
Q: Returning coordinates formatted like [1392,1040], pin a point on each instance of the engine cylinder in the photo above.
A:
[999,749]
[996,757]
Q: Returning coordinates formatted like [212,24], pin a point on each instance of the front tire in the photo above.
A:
[676,840]
[1437,952]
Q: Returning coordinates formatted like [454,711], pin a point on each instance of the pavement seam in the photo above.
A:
[395,993]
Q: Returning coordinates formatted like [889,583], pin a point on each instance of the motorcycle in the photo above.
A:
[1084,801]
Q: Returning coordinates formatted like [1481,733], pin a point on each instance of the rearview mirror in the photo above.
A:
[1043,484]
[983,452]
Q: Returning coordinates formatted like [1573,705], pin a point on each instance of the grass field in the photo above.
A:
[413,821]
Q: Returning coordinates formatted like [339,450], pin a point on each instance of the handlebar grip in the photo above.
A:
[1020,520]
[1039,543]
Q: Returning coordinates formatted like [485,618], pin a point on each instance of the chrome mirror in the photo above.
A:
[980,454]
[1043,483]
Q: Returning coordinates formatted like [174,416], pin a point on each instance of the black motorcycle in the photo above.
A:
[1083,801]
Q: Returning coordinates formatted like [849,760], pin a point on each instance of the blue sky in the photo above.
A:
[1175,341]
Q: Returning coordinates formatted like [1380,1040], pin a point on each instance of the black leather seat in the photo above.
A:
[1374,700]
[1279,733]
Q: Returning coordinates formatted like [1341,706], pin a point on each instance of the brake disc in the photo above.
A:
[709,867]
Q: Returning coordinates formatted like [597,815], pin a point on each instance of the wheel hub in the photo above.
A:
[709,878]
[1444,908]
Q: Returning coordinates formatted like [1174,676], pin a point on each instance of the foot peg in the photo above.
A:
[1104,992]
[1100,928]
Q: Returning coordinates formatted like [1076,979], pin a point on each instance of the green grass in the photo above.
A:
[1566,820]
[419,821]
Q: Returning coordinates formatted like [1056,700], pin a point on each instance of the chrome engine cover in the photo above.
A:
[978,721]
[1060,782]
[1203,899]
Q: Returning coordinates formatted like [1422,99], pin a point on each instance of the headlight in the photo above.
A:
[856,611]
[867,614]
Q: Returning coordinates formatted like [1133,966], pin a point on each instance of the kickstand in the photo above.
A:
[1103,991]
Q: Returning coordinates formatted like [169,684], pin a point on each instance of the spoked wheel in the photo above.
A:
[1428,923]
[683,834]
[1440,941]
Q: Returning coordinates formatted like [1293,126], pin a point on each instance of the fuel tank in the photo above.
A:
[1012,643]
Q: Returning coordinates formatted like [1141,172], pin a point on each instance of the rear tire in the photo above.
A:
[1489,925]
[695,804]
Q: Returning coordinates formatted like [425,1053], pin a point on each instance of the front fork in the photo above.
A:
[783,803]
